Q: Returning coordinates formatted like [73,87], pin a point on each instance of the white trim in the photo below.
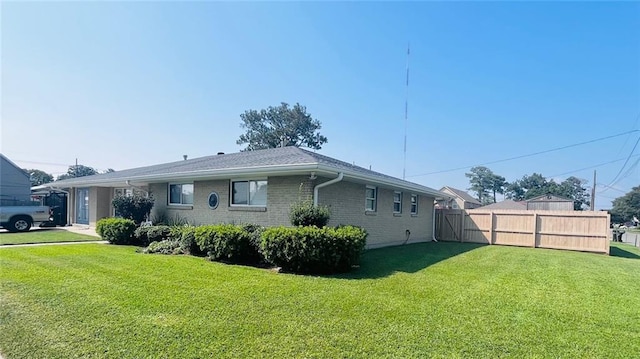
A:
[399,202]
[374,198]
[260,171]
[169,184]
[412,196]
[248,180]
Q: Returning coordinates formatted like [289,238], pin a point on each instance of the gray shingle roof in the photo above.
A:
[259,160]
[462,194]
[506,204]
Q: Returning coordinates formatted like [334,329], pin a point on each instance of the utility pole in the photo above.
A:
[593,192]
[406,116]
[75,169]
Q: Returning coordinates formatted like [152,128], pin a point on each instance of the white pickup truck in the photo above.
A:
[21,218]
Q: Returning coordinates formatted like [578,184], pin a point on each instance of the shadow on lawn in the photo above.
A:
[377,263]
[621,252]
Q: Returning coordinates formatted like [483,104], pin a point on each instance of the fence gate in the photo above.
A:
[449,224]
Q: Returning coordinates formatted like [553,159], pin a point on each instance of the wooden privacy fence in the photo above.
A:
[572,230]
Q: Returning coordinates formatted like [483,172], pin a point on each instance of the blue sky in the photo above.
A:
[121,85]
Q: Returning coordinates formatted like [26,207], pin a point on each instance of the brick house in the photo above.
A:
[260,187]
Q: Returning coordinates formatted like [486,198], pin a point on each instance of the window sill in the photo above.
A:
[397,214]
[247,209]
[180,207]
[414,215]
[370,213]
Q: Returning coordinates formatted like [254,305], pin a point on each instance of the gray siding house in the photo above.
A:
[15,185]
[260,187]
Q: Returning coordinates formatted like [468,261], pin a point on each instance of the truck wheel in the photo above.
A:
[19,224]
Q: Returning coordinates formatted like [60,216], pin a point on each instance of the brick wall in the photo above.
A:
[347,203]
[345,199]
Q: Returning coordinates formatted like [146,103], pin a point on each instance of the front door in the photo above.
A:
[82,206]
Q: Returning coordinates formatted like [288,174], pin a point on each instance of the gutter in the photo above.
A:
[325,184]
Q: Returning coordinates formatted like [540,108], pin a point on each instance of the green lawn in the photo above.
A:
[44,235]
[424,300]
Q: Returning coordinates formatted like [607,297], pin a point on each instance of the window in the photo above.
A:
[414,204]
[249,193]
[371,199]
[181,193]
[397,202]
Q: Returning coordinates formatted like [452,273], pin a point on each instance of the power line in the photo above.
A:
[590,167]
[609,187]
[625,162]
[530,154]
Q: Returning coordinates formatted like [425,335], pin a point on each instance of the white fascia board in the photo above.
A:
[394,183]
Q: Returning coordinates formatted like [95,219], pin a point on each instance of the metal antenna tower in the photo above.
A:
[406,116]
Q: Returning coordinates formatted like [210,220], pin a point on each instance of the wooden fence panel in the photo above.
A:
[572,230]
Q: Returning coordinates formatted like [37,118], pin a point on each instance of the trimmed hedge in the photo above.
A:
[147,234]
[116,230]
[306,214]
[166,246]
[185,235]
[313,250]
[228,243]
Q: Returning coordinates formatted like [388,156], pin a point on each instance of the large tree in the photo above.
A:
[78,171]
[280,126]
[530,186]
[485,184]
[627,207]
[38,177]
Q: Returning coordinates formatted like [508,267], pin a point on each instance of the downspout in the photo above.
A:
[433,224]
[325,184]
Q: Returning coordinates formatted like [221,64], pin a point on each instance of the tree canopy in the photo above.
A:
[38,177]
[280,126]
[485,184]
[530,186]
[78,171]
[627,207]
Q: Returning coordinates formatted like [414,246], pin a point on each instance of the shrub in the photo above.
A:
[116,230]
[313,250]
[185,235]
[166,246]
[228,243]
[135,207]
[147,234]
[306,214]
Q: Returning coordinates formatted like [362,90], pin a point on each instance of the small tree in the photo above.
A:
[306,214]
[135,207]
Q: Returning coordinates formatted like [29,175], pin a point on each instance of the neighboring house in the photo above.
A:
[260,187]
[459,199]
[550,202]
[507,204]
[15,185]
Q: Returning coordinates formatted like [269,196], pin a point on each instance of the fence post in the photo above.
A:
[463,220]
[535,228]
[491,228]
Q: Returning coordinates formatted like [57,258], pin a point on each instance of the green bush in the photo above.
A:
[166,246]
[135,207]
[147,234]
[313,250]
[227,243]
[116,230]
[306,214]
[186,237]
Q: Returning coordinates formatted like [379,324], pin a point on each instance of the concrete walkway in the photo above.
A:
[79,229]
